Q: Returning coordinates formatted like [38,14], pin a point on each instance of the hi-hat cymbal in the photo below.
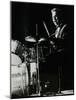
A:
[30,39]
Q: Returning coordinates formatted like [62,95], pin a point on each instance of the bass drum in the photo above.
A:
[19,76]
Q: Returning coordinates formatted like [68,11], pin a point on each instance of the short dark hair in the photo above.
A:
[59,13]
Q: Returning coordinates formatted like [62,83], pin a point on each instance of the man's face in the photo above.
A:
[55,18]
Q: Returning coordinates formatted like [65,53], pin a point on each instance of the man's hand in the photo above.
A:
[53,44]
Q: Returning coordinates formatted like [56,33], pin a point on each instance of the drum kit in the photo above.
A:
[20,78]
[25,63]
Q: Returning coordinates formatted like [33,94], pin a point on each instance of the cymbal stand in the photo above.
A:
[37,65]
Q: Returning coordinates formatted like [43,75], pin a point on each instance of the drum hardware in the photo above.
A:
[38,88]
[37,42]
[41,46]
[33,40]
[30,54]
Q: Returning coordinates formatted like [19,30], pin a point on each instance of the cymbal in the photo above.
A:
[30,39]
[33,40]
[41,40]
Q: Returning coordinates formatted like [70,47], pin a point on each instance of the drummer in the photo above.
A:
[60,40]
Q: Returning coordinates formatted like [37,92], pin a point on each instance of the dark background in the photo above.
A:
[25,16]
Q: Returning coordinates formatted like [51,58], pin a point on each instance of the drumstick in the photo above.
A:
[51,42]
[46,29]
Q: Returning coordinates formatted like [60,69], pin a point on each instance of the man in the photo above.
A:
[55,60]
[61,59]
[57,41]
[60,32]
[59,64]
